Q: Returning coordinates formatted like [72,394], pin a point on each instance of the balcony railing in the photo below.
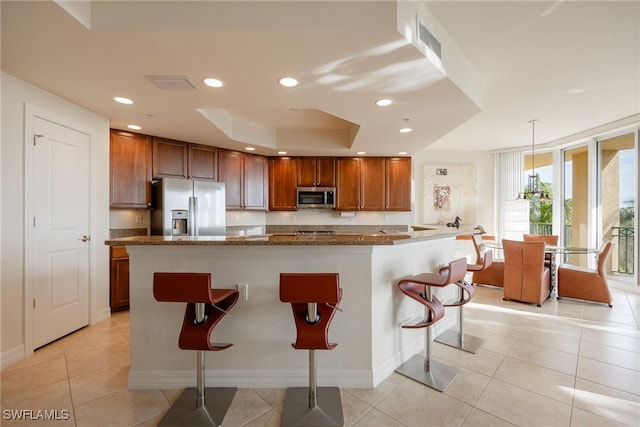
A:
[622,236]
[626,249]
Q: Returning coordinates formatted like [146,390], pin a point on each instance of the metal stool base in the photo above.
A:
[327,412]
[438,377]
[184,412]
[464,342]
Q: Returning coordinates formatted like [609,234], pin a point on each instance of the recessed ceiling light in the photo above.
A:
[282,152]
[249,148]
[402,153]
[211,82]
[360,153]
[288,82]
[405,130]
[384,102]
[134,127]
[123,100]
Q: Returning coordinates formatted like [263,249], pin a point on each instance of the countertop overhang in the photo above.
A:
[280,239]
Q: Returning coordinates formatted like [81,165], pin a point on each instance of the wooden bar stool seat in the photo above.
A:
[205,308]
[314,299]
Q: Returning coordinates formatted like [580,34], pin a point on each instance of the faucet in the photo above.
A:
[382,231]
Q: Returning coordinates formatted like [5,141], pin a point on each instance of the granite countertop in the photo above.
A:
[283,239]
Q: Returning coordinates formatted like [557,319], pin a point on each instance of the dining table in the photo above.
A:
[554,251]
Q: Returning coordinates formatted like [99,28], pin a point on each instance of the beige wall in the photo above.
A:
[15,94]
[484,163]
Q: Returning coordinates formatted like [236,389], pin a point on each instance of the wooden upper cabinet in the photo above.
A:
[169,158]
[360,183]
[130,170]
[245,178]
[230,172]
[398,183]
[203,162]
[316,172]
[282,183]
[347,184]
[255,182]
[372,184]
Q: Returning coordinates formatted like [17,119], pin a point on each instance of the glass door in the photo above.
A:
[617,214]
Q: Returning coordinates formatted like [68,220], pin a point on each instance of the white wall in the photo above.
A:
[483,160]
[15,94]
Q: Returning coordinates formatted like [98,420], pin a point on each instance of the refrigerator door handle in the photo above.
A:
[193,216]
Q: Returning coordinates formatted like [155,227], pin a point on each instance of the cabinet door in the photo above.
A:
[316,172]
[169,158]
[119,279]
[230,172]
[255,182]
[372,180]
[326,171]
[398,183]
[347,184]
[306,171]
[203,162]
[130,170]
[282,183]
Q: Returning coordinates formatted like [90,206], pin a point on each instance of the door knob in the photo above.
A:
[85,238]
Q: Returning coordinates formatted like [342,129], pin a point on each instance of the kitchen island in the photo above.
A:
[371,343]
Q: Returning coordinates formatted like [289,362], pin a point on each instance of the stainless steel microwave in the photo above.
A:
[316,197]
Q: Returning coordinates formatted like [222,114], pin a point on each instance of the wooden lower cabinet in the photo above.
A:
[119,279]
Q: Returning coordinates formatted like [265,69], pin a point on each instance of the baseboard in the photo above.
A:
[272,378]
[11,356]
[103,314]
[388,367]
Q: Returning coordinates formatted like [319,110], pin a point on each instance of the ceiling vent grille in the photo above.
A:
[429,39]
[172,82]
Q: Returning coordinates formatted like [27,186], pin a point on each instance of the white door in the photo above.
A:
[60,248]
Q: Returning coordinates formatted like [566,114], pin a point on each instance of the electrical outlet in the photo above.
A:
[237,218]
[138,219]
[243,290]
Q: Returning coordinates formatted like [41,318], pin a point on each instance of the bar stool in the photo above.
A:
[457,338]
[426,370]
[205,307]
[314,298]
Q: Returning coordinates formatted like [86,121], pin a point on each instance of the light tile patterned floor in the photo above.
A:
[567,363]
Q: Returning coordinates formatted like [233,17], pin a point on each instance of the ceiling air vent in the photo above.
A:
[172,82]
[429,39]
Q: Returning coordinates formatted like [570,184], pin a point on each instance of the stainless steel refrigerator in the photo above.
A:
[188,207]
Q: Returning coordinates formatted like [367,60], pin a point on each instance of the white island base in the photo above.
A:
[371,343]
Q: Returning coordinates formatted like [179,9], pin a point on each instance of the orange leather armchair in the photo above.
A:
[494,273]
[585,283]
[526,278]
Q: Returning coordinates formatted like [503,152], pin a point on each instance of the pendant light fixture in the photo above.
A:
[533,189]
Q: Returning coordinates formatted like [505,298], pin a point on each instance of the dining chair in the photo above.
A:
[585,283]
[549,239]
[492,275]
[526,278]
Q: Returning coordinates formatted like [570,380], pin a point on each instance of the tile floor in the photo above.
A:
[567,363]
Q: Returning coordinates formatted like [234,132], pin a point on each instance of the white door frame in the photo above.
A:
[31,111]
